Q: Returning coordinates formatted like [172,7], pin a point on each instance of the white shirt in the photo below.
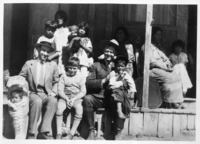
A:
[39,66]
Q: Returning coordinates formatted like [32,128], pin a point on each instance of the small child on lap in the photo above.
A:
[122,87]
[71,89]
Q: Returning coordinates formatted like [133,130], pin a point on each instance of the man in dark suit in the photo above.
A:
[42,77]
[96,84]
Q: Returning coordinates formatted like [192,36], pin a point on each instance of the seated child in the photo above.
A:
[122,85]
[71,89]
[179,59]
[18,104]
[50,28]
[83,48]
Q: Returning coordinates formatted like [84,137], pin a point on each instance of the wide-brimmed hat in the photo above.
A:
[113,42]
[46,44]
[121,57]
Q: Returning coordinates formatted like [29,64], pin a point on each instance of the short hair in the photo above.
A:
[51,24]
[74,61]
[124,29]
[19,92]
[62,14]
[178,43]
[155,30]
[85,26]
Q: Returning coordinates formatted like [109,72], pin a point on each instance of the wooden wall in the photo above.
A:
[105,18]
[29,19]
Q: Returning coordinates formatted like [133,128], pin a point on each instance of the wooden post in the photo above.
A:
[146,56]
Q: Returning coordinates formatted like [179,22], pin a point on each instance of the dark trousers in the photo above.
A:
[91,104]
[37,101]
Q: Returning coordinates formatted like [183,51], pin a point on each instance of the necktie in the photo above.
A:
[41,80]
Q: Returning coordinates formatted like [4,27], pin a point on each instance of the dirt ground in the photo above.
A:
[184,136]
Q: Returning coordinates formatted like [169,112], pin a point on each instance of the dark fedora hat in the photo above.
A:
[113,42]
[46,44]
[122,58]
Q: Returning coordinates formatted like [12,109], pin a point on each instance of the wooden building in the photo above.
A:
[24,23]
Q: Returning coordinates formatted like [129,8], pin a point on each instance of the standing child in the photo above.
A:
[50,28]
[122,87]
[71,89]
[83,48]
[179,60]
[61,39]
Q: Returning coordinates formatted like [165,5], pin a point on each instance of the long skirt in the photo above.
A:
[170,85]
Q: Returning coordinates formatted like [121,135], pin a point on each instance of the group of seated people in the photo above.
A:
[62,76]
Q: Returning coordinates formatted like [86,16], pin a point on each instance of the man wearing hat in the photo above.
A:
[96,83]
[42,77]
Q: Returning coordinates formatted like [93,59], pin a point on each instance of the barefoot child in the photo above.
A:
[122,86]
[71,89]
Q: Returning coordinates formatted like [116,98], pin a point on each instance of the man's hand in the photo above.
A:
[52,94]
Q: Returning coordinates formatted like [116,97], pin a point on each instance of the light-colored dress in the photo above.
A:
[178,62]
[61,41]
[85,61]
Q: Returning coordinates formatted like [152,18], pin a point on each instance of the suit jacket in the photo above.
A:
[29,71]
[99,71]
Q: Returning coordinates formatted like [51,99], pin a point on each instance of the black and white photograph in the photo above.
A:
[101,71]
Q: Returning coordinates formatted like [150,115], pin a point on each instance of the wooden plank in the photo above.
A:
[165,125]
[136,124]
[121,14]
[109,21]
[182,22]
[66,8]
[190,122]
[183,122]
[150,124]
[91,15]
[176,125]
[82,12]
[146,62]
